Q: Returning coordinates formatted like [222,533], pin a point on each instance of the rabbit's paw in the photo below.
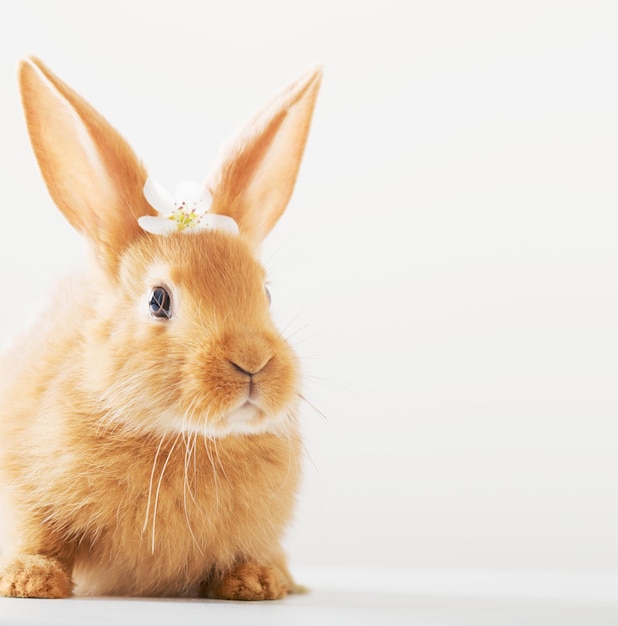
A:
[35,577]
[250,581]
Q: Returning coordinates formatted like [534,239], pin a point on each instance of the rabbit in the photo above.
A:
[149,438]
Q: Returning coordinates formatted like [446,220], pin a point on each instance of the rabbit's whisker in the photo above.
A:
[156,502]
[152,473]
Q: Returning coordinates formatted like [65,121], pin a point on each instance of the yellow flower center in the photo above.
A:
[185,218]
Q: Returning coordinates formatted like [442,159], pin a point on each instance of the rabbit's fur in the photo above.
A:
[144,456]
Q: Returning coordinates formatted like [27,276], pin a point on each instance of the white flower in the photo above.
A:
[188,210]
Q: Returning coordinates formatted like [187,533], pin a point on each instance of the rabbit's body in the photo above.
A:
[149,454]
[148,516]
[144,514]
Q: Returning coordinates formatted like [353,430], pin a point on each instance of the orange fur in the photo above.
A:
[142,456]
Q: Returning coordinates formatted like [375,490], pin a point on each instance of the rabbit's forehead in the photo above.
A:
[201,264]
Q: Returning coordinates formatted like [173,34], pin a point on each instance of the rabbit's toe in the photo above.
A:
[35,576]
[250,581]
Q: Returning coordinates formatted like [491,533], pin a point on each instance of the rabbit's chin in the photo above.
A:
[247,419]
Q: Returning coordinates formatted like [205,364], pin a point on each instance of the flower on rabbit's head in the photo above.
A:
[187,210]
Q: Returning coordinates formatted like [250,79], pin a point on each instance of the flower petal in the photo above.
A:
[157,225]
[194,195]
[158,197]
[219,222]
[188,191]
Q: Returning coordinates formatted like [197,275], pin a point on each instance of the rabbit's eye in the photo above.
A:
[160,303]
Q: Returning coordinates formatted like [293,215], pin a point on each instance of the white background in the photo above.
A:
[447,268]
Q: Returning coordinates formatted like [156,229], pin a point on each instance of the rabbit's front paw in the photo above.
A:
[250,581]
[35,576]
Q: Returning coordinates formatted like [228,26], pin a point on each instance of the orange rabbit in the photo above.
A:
[150,443]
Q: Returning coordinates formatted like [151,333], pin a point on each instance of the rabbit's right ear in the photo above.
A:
[256,171]
[91,172]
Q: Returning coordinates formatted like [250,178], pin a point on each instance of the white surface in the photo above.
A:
[447,268]
[359,598]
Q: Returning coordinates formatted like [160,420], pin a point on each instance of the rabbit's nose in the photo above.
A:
[248,354]
[250,369]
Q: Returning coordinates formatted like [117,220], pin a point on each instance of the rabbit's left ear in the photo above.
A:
[91,172]
[256,173]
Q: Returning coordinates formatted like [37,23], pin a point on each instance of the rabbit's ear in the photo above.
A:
[255,175]
[91,172]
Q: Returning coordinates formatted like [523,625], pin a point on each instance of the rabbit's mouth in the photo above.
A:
[250,418]
[243,416]
[246,418]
